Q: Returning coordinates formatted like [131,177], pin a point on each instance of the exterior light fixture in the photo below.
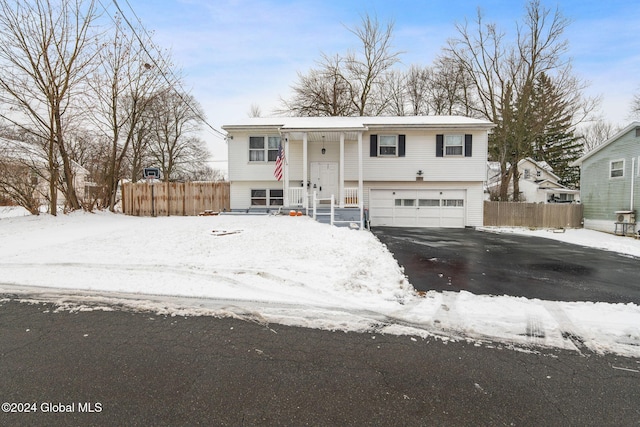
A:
[419,173]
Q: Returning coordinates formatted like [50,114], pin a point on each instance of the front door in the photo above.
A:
[324,179]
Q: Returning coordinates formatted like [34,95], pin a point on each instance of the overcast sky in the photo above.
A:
[235,53]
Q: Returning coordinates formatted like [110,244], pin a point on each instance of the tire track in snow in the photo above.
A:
[568,329]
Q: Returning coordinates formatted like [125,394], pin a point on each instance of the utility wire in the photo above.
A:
[161,69]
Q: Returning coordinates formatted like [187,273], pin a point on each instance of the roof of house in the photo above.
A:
[24,152]
[359,123]
[540,164]
[609,141]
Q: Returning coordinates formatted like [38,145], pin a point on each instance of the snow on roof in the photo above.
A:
[357,123]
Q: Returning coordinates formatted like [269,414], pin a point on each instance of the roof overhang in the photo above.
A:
[354,125]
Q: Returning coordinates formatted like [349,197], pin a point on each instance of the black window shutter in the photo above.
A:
[439,145]
[402,145]
[467,145]
[373,146]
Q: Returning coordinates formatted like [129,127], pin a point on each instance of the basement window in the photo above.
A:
[264,197]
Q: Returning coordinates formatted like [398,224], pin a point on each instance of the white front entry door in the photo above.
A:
[324,179]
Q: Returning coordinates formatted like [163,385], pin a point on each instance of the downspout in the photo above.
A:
[360,182]
[305,177]
[341,189]
[285,183]
[633,172]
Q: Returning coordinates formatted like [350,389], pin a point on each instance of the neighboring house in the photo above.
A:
[425,171]
[33,166]
[537,183]
[609,177]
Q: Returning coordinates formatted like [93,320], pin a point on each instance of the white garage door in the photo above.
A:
[417,208]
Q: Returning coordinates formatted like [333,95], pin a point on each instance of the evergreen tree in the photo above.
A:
[555,140]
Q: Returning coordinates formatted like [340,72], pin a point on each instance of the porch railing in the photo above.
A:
[297,195]
[351,196]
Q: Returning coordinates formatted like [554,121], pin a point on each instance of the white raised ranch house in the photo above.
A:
[424,171]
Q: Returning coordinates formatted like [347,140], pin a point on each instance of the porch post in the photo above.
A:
[305,179]
[285,177]
[360,183]
[341,182]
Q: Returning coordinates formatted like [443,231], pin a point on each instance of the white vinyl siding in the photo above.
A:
[420,156]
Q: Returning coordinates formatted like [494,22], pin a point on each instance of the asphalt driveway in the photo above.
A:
[505,264]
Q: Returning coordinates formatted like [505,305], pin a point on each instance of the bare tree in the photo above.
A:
[18,181]
[365,69]
[393,94]
[177,119]
[255,111]
[323,91]
[46,56]
[635,107]
[349,85]
[595,133]
[417,89]
[503,80]
[123,86]
[448,89]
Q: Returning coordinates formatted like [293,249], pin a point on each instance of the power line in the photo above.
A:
[161,69]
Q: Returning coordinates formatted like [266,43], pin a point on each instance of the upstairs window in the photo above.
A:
[453,145]
[263,148]
[388,145]
[616,169]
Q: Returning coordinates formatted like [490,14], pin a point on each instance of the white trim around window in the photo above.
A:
[454,145]
[267,197]
[616,168]
[263,148]
[388,145]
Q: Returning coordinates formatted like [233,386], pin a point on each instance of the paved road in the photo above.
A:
[145,369]
[506,264]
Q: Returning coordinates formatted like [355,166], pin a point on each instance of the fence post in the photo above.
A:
[314,205]
[332,208]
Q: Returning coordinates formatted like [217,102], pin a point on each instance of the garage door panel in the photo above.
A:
[422,208]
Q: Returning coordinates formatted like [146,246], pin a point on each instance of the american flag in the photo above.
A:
[279,163]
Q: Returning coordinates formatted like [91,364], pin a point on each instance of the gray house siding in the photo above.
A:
[603,195]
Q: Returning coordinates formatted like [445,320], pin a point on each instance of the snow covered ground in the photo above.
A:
[287,270]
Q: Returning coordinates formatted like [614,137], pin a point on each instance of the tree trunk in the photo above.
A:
[516,182]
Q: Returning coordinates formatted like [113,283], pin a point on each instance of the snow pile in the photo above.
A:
[13,211]
[579,236]
[280,269]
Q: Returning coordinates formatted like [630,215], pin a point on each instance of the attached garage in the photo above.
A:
[418,207]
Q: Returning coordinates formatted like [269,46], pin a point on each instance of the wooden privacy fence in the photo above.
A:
[174,198]
[534,215]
